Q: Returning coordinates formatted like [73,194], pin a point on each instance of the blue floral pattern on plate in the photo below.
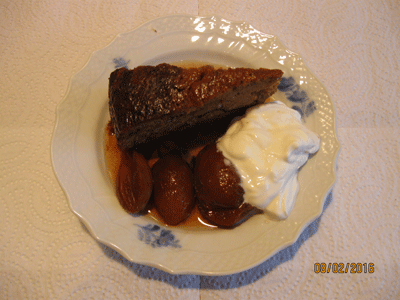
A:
[157,237]
[120,62]
[295,94]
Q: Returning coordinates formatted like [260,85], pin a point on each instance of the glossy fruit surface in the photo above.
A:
[229,218]
[134,182]
[173,189]
[216,182]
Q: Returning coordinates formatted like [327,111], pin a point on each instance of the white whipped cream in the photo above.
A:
[267,147]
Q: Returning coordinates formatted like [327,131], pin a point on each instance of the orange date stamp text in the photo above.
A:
[344,268]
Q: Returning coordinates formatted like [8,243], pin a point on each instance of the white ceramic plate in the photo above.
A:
[78,155]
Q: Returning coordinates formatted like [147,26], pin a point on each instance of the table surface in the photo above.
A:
[351,46]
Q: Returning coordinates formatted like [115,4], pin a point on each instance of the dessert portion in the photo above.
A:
[154,104]
[180,153]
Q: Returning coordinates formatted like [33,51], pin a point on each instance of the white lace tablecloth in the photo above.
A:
[351,46]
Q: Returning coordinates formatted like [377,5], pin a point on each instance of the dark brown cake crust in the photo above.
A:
[148,103]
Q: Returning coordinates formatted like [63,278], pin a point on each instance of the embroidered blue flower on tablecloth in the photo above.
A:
[120,62]
[156,236]
[299,97]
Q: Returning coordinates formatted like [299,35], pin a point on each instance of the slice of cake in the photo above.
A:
[150,103]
